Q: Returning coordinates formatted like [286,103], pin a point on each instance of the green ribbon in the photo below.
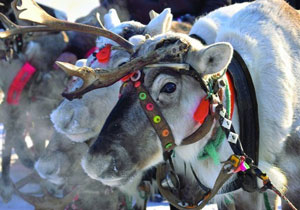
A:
[210,149]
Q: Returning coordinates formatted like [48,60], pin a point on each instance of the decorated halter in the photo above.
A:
[203,115]
[155,116]
[239,163]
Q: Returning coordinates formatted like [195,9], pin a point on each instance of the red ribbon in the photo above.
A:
[18,83]
[204,106]
[103,55]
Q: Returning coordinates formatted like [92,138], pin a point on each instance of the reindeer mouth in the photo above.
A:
[56,180]
[112,182]
[117,181]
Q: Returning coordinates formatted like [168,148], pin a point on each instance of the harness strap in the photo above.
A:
[195,36]
[161,126]
[155,117]
[247,106]
[200,132]
[225,173]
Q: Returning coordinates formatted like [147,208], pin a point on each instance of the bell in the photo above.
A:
[171,181]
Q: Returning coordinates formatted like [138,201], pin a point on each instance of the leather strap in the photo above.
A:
[200,132]
[223,176]
[195,36]
[247,106]
[156,118]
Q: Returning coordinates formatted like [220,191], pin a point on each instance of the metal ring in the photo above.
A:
[136,76]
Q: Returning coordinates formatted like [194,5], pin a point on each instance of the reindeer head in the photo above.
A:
[170,67]
[82,119]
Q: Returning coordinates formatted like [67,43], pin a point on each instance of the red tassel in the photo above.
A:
[202,110]
[103,55]
[18,83]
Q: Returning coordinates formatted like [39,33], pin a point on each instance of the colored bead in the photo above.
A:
[143,96]
[165,132]
[157,119]
[244,166]
[168,145]
[137,84]
[149,107]
[136,76]
[127,77]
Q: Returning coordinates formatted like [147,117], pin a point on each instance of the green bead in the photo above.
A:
[142,96]
[246,165]
[168,145]
[156,119]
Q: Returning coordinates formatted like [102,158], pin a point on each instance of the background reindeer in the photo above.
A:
[60,164]
[39,97]
[82,119]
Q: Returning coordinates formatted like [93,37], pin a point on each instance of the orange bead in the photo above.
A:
[165,132]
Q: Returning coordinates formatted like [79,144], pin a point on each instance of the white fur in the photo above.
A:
[161,23]
[267,41]
[111,19]
[207,26]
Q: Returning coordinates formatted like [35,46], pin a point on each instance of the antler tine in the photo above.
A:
[99,20]
[14,29]
[7,23]
[29,10]
[98,78]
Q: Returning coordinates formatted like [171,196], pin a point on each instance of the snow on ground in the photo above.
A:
[18,171]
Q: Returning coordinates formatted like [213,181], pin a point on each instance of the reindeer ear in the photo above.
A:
[81,62]
[153,14]
[111,19]
[160,24]
[212,59]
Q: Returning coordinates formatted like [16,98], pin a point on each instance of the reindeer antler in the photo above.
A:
[28,10]
[98,78]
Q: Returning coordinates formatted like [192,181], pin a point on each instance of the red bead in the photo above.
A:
[137,84]
[149,107]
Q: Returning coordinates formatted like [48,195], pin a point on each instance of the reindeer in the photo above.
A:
[35,100]
[60,164]
[130,133]
[176,48]
[82,119]
[30,113]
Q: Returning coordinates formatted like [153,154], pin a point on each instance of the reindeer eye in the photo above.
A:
[121,64]
[170,87]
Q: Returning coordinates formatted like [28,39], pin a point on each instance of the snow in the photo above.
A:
[18,171]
